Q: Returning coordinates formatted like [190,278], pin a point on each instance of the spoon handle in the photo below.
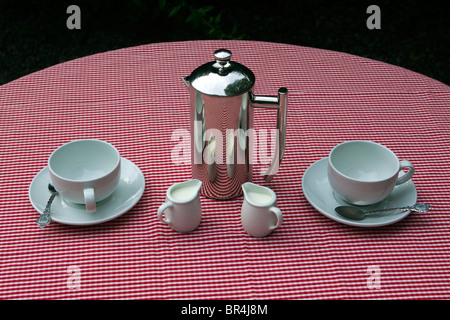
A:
[44,219]
[418,207]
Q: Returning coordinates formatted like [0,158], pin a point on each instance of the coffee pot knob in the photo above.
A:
[222,56]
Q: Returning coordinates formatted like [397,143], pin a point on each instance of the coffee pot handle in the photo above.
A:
[280,103]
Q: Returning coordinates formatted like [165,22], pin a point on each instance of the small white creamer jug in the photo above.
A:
[182,209]
[259,213]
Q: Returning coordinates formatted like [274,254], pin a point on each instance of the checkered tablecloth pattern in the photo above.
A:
[135,99]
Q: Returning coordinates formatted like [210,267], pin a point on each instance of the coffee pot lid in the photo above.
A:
[222,77]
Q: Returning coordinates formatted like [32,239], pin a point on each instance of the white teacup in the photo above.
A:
[85,171]
[182,210]
[365,172]
[259,212]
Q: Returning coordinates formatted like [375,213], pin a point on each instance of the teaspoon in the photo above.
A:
[357,214]
[45,218]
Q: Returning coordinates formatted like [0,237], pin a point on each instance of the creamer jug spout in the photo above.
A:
[248,187]
[187,81]
[196,185]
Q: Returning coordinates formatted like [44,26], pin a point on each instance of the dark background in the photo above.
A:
[414,34]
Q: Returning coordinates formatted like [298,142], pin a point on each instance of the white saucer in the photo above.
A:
[129,191]
[318,192]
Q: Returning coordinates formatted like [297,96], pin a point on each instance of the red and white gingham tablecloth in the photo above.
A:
[135,99]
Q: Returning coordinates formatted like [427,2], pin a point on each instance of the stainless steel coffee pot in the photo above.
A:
[221,124]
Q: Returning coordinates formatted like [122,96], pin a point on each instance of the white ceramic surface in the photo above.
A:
[319,194]
[259,213]
[182,209]
[125,196]
[85,171]
[365,172]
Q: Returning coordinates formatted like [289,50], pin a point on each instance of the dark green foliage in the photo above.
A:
[414,34]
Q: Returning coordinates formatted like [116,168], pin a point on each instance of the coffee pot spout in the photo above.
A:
[187,81]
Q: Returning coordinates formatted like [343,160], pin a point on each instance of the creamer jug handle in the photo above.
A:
[279,103]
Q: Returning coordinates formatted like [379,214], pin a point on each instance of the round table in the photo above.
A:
[135,99]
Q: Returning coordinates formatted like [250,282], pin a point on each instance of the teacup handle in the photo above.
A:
[403,165]
[161,210]
[89,199]
[279,216]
